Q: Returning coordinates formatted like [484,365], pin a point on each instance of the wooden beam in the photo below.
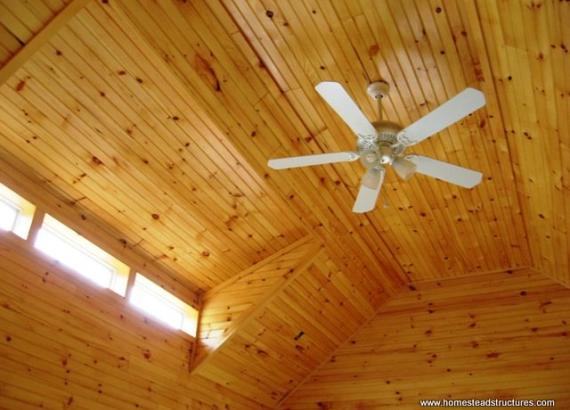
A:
[195,344]
[40,38]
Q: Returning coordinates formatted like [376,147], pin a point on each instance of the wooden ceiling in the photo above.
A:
[154,121]
[160,117]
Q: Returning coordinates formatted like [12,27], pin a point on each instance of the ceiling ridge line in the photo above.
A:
[403,289]
[252,47]
[473,274]
[552,278]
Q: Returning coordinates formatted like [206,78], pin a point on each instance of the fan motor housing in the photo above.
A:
[387,131]
[384,147]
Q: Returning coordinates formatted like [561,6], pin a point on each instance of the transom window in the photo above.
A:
[71,249]
[16,213]
[163,306]
[74,251]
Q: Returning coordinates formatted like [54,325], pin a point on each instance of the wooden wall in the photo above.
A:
[504,335]
[68,344]
[68,211]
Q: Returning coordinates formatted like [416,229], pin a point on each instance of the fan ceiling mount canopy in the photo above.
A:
[382,144]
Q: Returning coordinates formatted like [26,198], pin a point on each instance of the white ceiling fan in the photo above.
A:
[382,143]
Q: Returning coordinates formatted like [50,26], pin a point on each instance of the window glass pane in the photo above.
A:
[157,307]
[66,253]
[76,252]
[8,215]
[164,306]
[15,212]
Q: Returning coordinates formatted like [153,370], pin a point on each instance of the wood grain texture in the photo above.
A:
[530,72]
[70,212]
[226,309]
[43,34]
[67,344]
[263,333]
[161,119]
[242,100]
[428,52]
[191,99]
[147,126]
[503,335]
[21,21]
[110,127]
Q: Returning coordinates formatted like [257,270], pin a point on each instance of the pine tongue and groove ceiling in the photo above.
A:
[157,119]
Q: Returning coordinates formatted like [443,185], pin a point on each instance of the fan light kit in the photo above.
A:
[382,143]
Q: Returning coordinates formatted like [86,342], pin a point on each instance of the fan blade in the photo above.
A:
[445,171]
[339,100]
[460,106]
[309,160]
[369,190]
